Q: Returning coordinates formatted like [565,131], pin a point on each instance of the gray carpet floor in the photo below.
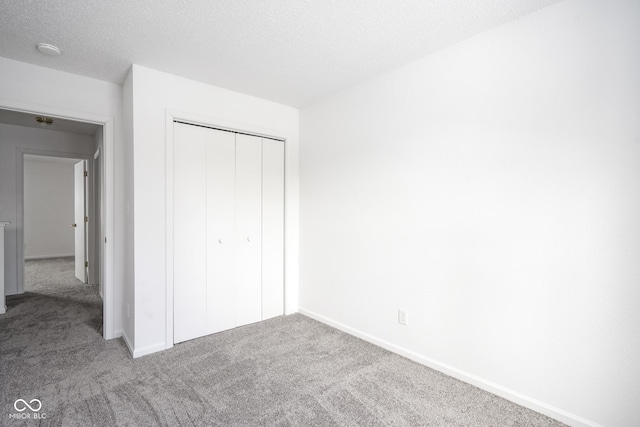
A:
[287,371]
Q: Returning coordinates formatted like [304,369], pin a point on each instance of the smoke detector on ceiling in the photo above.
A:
[48,49]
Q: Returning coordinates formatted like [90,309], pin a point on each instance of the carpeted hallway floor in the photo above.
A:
[289,371]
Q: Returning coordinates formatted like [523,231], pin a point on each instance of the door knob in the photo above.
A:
[74,225]
[249,239]
[220,241]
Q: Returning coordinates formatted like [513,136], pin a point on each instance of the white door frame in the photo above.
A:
[108,200]
[199,120]
[97,213]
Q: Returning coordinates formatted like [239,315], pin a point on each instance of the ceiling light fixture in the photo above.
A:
[48,49]
[44,121]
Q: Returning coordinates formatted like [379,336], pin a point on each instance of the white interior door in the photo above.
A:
[79,225]
[248,229]
[220,230]
[272,228]
[190,237]
[228,240]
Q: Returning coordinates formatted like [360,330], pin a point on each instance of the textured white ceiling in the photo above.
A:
[289,51]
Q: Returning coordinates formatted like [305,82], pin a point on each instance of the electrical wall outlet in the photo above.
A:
[403,316]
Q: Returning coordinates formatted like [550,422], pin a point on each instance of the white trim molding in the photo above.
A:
[150,349]
[48,256]
[127,341]
[3,306]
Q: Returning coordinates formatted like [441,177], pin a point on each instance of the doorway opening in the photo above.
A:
[56,195]
[60,204]
[56,198]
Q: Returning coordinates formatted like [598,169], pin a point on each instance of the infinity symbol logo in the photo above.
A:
[26,405]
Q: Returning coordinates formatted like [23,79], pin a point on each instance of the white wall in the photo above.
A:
[492,189]
[13,138]
[30,87]
[153,93]
[48,207]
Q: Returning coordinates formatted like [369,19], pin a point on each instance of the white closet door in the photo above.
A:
[220,196]
[248,229]
[190,240]
[272,228]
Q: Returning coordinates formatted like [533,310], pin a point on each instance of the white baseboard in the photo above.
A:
[139,352]
[109,335]
[126,340]
[497,389]
[49,256]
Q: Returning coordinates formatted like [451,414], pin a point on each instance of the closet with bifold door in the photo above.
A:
[228,230]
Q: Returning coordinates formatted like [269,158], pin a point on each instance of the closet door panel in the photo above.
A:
[220,200]
[248,229]
[272,228]
[190,243]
